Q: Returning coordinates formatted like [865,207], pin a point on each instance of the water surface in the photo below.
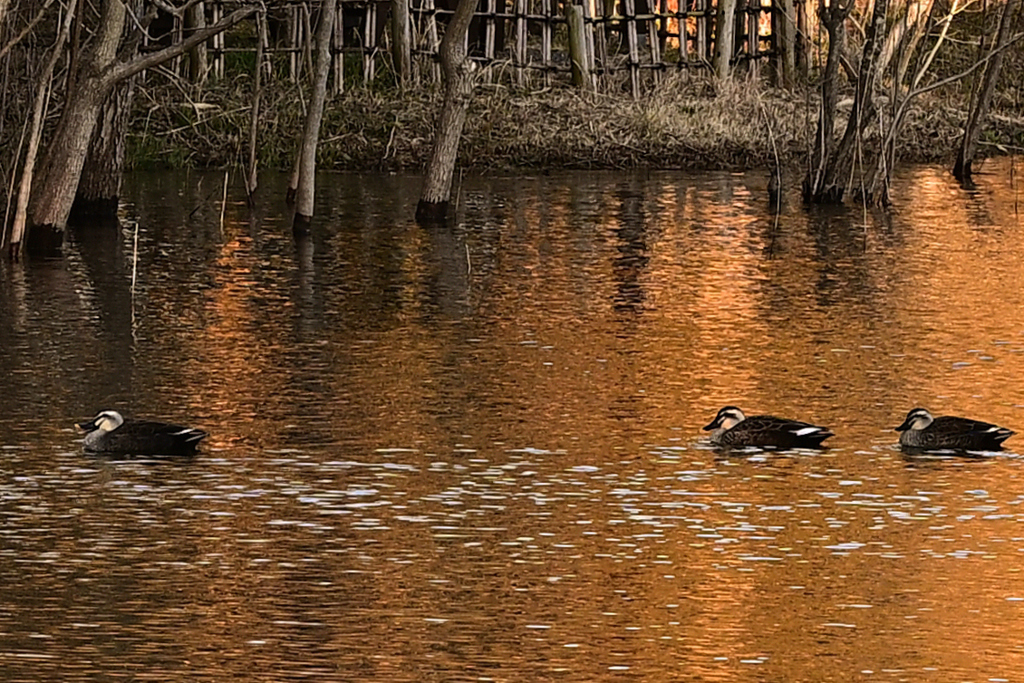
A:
[475,453]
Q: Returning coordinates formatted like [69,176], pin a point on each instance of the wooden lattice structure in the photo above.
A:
[625,43]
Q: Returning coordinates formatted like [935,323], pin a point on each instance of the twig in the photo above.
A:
[25,31]
[135,269]
[224,202]
[10,190]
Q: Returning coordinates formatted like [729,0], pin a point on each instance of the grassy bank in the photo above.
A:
[686,123]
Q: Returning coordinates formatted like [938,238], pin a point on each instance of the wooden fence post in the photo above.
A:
[581,74]
[338,52]
[629,19]
[401,43]
[725,35]
[546,38]
[520,10]
[784,33]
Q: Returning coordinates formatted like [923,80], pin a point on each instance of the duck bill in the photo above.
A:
[903,427]
[86,426]
[709,427]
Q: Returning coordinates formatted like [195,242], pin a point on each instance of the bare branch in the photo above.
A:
[121,71]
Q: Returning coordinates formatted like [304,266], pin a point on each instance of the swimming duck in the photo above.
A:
[108,432]
[734,429]
[921,430]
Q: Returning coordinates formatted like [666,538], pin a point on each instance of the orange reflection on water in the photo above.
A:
[474,452]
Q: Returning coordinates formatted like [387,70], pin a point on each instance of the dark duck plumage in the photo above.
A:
[108,432]
[922,431]
[733,429]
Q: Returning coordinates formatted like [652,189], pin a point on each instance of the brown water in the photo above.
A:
[475,453]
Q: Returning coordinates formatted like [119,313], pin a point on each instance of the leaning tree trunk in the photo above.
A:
[458,92]
[305,188]
[99,187]
[50,206]
[985,91]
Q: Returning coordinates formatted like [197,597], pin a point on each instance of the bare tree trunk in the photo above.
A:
[985,89]
[100,184]
[458,92]
[833,173]
[725,32]
[198,65]
[305,188]
[904,37]
[834,19]
[50,205]
[864,109]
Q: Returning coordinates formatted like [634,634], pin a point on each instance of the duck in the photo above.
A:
[733,429]
[922,431]
[109,432]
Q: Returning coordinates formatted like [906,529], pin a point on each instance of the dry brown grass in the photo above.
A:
[687,122]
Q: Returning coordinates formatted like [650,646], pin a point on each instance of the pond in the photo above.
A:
[475,453]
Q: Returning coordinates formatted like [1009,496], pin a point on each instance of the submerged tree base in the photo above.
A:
[431,213]
[832,194]
[45,241]
[87,212]
[301,225]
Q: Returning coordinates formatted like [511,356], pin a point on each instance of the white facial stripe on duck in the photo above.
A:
[918,418]
[105,421]
[727,418]
[109,420]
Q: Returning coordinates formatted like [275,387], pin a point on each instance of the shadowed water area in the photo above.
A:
[475,453]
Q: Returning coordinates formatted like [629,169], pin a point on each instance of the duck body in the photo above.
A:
[732,429]
[110,433]
[922,431]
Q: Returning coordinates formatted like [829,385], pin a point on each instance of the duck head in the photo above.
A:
[106,421]
[727,418]
[918,418]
